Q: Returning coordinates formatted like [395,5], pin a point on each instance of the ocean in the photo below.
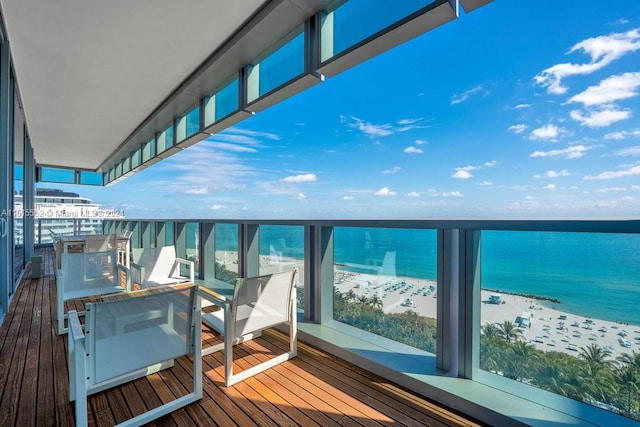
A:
[592,274]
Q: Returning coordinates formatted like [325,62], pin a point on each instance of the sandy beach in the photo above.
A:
[550,330]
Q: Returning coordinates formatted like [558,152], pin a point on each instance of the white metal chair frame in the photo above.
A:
[234,314]
[89,374]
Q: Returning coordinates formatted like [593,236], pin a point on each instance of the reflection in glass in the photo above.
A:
[226,252]
[354,21]
[278,68]
[385,283]
[282,249]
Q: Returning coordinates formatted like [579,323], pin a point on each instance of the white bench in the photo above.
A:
[129,336]
[84,275]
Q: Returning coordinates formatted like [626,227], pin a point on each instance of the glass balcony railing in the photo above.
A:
[544,311]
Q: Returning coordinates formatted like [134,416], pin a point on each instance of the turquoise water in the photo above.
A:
[595,275]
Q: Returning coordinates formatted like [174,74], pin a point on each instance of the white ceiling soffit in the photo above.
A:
[90,71]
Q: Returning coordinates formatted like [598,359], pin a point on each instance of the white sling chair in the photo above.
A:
[159,266]
[128,338]
[258,303]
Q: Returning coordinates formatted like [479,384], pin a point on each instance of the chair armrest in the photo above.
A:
[127,275]
[139,271]
[75,327]
[189,264]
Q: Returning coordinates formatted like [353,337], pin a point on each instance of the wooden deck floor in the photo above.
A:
[314,389]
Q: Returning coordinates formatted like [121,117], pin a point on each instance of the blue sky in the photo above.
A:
[521,109]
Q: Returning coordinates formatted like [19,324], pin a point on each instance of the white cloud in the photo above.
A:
[198,190]
[308,177]
[622,134]
[464,172]
[572,152]
[384,191]
[453,194]
[519,128]
[626,152]
[413,150]
[602,118]
[217,207]
[413,194]
[485,183]
[347,198]
[550,187]
[635,187]
[632,170]
[461,174]
[421,142]
[611,189]
[394,169]
[602,50]
[458,99]
[380,130]
[299,196]
[553,174]
[520,106]
[547,132]
[614,88]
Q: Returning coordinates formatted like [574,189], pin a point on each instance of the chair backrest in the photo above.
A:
[142,329]
[262,302]
[99,242]
[157,262]
[84,272]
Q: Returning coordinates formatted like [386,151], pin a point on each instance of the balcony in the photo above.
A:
[416,302]
[316,388]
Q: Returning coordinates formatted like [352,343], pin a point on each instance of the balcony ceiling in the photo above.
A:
[90,71]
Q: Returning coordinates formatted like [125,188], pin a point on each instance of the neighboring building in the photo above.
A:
[60,212]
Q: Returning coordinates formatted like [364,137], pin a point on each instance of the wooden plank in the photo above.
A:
[45,411]
[15,368]
[29,386]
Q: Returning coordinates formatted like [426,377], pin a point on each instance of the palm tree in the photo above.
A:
[376,301]
[490,331]
[523,354]
[508,331]
[596,356]
[627,377]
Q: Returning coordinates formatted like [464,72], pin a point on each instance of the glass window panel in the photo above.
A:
[193,122]
[226,252]
[126,165]
[385,283]
[168,233]
[192,246]
[136,158]
[66,176]
[356,20]
[18,172]
[148,150]
[165,139]
[559,312]
[90,178]
[118,170]
[227,100]
[278,68]
[282,249]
